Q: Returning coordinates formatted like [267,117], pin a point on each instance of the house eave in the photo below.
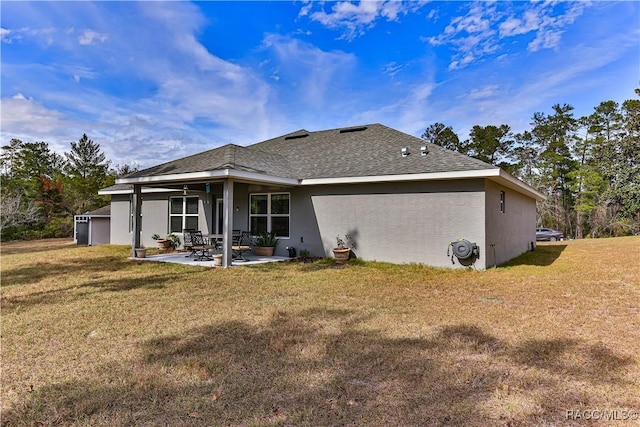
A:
[130,191]
[210,175]
[494,174]
[509,181]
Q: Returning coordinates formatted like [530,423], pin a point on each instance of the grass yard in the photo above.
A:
[91,338]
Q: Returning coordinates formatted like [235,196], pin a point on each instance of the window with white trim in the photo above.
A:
[183,214]
[269,212]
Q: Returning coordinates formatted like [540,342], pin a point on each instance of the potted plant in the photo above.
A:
[265,243]
[141,252]
[168,243]
[341,252]
[217,260]
[174,241]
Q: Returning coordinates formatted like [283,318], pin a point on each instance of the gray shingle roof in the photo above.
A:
[103,211]
[229,156]
[370,150]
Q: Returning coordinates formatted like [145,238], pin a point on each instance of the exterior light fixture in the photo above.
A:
[185,190]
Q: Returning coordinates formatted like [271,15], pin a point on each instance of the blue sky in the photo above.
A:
[154,81]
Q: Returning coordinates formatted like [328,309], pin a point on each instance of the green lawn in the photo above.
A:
[92,338]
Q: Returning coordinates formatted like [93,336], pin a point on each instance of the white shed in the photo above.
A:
[93,228]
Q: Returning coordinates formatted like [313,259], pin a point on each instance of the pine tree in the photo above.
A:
[87,170]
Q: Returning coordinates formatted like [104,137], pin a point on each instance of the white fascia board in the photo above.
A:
[494,174]
[144,190]
[514,183]
[483,173]
[208,175]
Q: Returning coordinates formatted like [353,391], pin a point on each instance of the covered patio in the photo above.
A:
[223,173]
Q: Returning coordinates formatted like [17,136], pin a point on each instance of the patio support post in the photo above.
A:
[227,222]
[136,210]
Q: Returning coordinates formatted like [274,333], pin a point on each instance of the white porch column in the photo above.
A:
[136,210]
[227,222]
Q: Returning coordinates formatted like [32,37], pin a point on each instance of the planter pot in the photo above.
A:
[341,255]
[217,260]
[163,244]
[141,252]
[264,250]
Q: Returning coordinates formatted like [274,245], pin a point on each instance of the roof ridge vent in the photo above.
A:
[356,129]
[303,135]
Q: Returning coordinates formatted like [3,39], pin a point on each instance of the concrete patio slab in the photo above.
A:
[181,258]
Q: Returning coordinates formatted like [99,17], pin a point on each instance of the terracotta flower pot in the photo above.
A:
[341,255]
[263,250]
[163,244]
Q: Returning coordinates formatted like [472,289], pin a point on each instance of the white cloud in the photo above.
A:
[5,35]
[485,27]
[304,11]
[28,120]
[180,99]
[21,114]
[545,40]
[90,37]
[47,34]
[307,69]
[392,68]
[355,18]
[483,92]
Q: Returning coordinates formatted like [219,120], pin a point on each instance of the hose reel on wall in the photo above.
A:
[464,250]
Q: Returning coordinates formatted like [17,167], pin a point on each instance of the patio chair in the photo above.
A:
[240,243]
[200,247]
[186,239]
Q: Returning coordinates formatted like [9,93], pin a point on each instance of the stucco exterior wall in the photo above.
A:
[511,233]
[155,216]
[396,222]
[100,231]
[399,222]
[120,211]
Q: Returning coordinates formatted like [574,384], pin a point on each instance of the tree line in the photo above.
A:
[42,190]
[587,167]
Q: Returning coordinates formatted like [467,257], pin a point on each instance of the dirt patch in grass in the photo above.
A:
[91,338]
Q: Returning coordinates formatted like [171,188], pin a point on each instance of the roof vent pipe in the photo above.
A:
[424,150]
[405,151]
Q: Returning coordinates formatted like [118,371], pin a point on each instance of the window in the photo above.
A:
[183,214]
[269,212]
[502,201]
